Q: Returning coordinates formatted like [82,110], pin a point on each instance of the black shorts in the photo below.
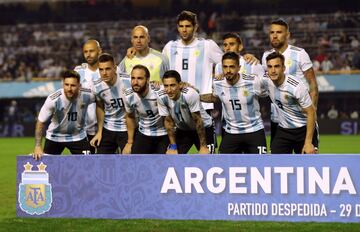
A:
[111,142]
[144,144]
[248,143]
[287,141]
[273,129]
[186,139]
[315,140]
[77,147]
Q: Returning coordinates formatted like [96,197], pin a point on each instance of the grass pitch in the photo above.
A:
[11,147]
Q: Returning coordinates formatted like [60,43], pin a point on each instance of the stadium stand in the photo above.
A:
[44,50]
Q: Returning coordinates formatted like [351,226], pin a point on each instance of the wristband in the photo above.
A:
[172,147]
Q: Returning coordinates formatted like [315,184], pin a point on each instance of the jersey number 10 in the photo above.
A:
[72,116]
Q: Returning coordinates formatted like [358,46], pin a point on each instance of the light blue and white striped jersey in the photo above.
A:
[150,121]
[113,98]
[240,104]
[194,62]
[290,98]
[87,77]
[297,61]
[181,109]
[67,117]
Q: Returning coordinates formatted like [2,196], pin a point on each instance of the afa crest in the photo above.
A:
[35,195]
[197,52]
[288,63]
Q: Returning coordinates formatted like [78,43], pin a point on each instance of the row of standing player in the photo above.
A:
[193,58]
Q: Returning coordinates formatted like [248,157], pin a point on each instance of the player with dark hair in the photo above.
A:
[110,108]
[186,121]
[193,57]
[295,109]
[233,43]
[89,72]
[67,109]
[238,94]
[141,100]
[297,64]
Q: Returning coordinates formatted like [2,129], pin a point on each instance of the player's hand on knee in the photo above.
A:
[127,149]
[95,141]
[308,149]
[38,153]
[204,150]
[171,152]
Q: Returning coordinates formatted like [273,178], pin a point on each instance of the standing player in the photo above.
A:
[182,108]
[295,109]
[239,93]
[110,109]
[141,98]
[297,63]
[154,60]
[193,58]
[67,109]
[89,72]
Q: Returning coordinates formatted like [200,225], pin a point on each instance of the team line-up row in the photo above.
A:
[157,103]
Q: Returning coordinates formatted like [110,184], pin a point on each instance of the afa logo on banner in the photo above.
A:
[35,195]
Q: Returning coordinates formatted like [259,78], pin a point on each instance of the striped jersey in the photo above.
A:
[67,117]
[113,99]
[87,77]
[290,98]
[150,121]
[194,62]
[297,61]
[181,109]
[240,104]
[155,61]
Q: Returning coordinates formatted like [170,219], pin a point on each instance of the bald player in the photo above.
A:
[154,60]
[89,72]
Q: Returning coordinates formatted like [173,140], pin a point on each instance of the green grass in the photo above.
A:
[10,148]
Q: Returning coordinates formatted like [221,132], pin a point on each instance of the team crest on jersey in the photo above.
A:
[197,52]
[288,63]
[245,93]
[242,70]
[286,97]
[35,194]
